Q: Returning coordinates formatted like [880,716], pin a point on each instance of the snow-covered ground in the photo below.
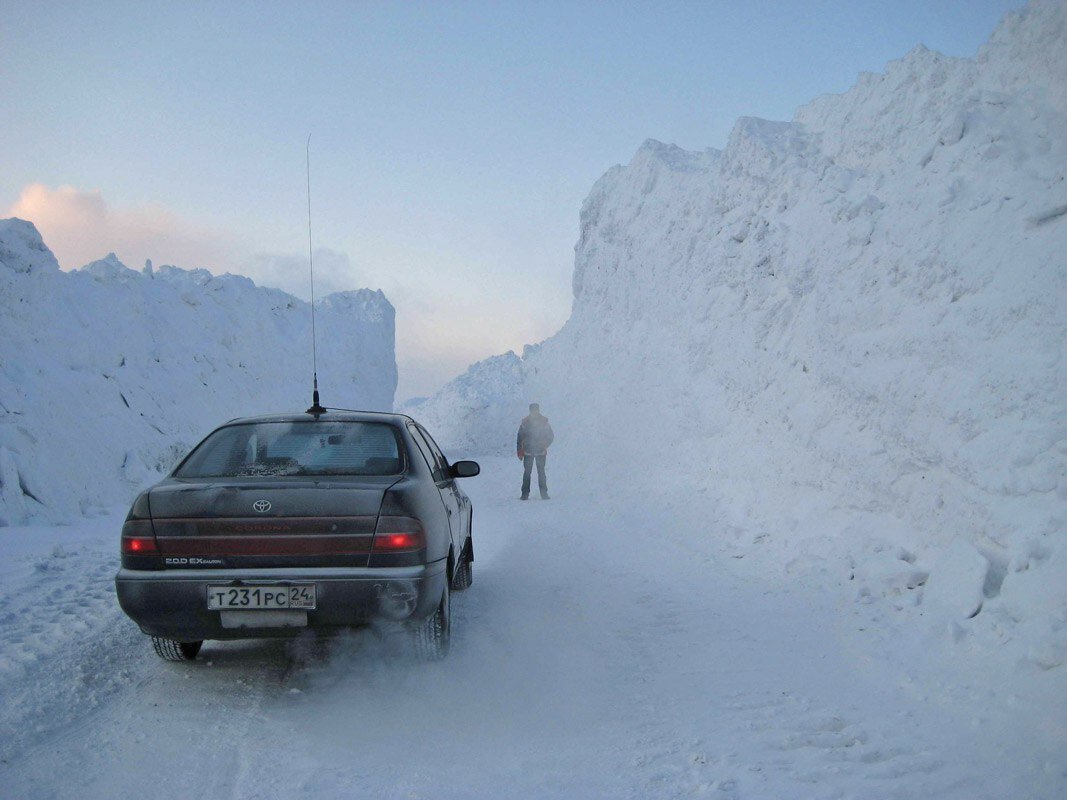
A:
[592,658]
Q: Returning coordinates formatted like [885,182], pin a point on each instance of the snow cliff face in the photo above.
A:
[868,301]
[841,337]
[109,375]
[478,413]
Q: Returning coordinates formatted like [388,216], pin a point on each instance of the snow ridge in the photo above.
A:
[108,375]
[848,327]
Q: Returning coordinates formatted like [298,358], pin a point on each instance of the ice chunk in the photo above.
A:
[954,589]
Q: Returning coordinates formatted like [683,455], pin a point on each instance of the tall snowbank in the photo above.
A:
[840,340]
[108,375]
[478,412]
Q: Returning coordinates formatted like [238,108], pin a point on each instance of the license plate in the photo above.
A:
[261,597]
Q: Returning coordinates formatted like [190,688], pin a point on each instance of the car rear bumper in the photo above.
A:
[173,603]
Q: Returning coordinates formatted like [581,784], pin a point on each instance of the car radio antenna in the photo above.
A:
[315,409]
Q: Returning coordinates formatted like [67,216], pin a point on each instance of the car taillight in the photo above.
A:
[398,541]
[392,542]
[138,544]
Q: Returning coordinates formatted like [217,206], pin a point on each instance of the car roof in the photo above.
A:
[331,415]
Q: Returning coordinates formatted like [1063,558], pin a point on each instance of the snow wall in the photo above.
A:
[839,340]
[478,413]
[108,376]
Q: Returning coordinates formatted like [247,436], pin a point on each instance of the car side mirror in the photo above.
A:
[465,469]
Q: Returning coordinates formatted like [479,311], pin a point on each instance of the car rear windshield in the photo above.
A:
[295,448]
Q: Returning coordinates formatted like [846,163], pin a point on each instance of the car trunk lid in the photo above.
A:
[251,522]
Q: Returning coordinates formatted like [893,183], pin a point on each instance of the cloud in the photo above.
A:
[333,272]
[79,226]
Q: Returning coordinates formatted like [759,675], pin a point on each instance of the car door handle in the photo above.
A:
[450,512]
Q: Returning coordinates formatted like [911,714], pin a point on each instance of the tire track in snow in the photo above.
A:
[64,645]
[84,695]
[697,733]
[700,705]
[590,660]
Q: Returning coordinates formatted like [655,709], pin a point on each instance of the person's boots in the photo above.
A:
[524,497]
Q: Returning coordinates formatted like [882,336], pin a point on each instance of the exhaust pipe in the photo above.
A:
[396,600]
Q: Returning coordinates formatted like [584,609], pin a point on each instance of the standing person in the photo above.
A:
[531,445]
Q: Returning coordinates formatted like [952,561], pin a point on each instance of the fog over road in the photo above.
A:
[588,661]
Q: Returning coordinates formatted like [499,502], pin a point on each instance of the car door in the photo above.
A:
[444,481]
[454,498]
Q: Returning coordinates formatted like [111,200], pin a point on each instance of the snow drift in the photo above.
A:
[108,375]
[840,339]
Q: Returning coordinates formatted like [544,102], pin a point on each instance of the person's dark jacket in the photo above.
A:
[535,435]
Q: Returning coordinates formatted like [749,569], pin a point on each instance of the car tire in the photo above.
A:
[431,636]
[464,576]
[170,650]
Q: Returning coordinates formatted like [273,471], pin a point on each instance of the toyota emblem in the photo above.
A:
[262,506]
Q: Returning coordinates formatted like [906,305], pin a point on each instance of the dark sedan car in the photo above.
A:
[276,524]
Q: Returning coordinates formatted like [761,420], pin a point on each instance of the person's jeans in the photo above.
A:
[542,479]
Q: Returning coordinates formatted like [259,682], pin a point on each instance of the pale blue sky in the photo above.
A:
[453,143]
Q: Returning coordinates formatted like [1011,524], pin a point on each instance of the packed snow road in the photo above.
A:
[588,661]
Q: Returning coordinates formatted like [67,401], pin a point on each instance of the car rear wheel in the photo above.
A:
[464,576]
[431,636]
[170,650]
